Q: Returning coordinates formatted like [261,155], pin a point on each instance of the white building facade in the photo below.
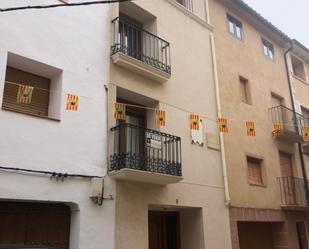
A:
[55,52]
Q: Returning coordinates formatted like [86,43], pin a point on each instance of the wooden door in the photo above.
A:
[132,136]
[287,173]
[302,235]
[28,224]
[155,231]
[164,230]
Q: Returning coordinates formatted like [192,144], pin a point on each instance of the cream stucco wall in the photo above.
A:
[190,89]
[245,58]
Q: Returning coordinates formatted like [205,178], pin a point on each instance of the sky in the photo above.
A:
[290,16]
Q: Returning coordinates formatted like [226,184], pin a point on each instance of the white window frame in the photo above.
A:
[268,49]
[235,27]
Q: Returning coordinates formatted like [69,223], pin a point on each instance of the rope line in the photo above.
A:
[61,5]
[212,119]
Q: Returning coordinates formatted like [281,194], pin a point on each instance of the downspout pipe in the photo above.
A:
[300,149]
[219,111]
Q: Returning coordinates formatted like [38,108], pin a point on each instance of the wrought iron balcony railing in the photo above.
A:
[290,122]
[292,192]
[143,149]
[141,45]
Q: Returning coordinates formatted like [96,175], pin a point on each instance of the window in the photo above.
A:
[186,3]
[305,113]
[255,174]
[268,49]
[245,90]
[32,87]
[298,68]
[235,27]
[15,78]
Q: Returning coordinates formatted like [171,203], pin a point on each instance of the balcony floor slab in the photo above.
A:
[144,176]
[140,67]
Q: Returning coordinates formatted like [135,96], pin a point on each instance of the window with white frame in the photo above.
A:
[235,27]
[186,3]
[268,49]
[298,67]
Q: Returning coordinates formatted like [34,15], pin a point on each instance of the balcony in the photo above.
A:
[140,51]
[293,193]
[289,122]
[145,155]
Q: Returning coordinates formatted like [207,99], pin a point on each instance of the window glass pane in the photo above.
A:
[270,54]
[231,27]
[265,50]
[238,32]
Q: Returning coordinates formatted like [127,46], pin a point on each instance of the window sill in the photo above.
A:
[191,15]
[257,185]
[241,40]
[29,114]
[246,103]
[300,79]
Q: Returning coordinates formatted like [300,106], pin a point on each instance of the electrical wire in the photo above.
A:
[51,174]
[61,5]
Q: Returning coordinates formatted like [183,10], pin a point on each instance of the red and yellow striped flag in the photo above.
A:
[194,121]
[72,102]
[306,133]
[24,94]
[250,128]
[120,111]
[276,129]
[223,125]
[160,115]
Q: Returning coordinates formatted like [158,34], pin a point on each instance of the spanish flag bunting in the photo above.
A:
[160,114]
[250,127]
[120,111]
[276,129]
[223,125]
[194,121]
[72,102]
[24,94]
[306,133]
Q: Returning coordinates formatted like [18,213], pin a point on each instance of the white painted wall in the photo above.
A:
[74,40]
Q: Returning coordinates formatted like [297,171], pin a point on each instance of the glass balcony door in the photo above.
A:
[130,36]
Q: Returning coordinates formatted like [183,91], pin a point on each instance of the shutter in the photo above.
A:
[254,171]
[286,165]
[40,97]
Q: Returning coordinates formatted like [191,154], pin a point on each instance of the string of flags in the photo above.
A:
[25,96]
[194,122]
[250,125]
[160,117]
[72,102]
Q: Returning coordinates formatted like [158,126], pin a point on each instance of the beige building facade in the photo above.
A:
[169,188]
[266,171]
